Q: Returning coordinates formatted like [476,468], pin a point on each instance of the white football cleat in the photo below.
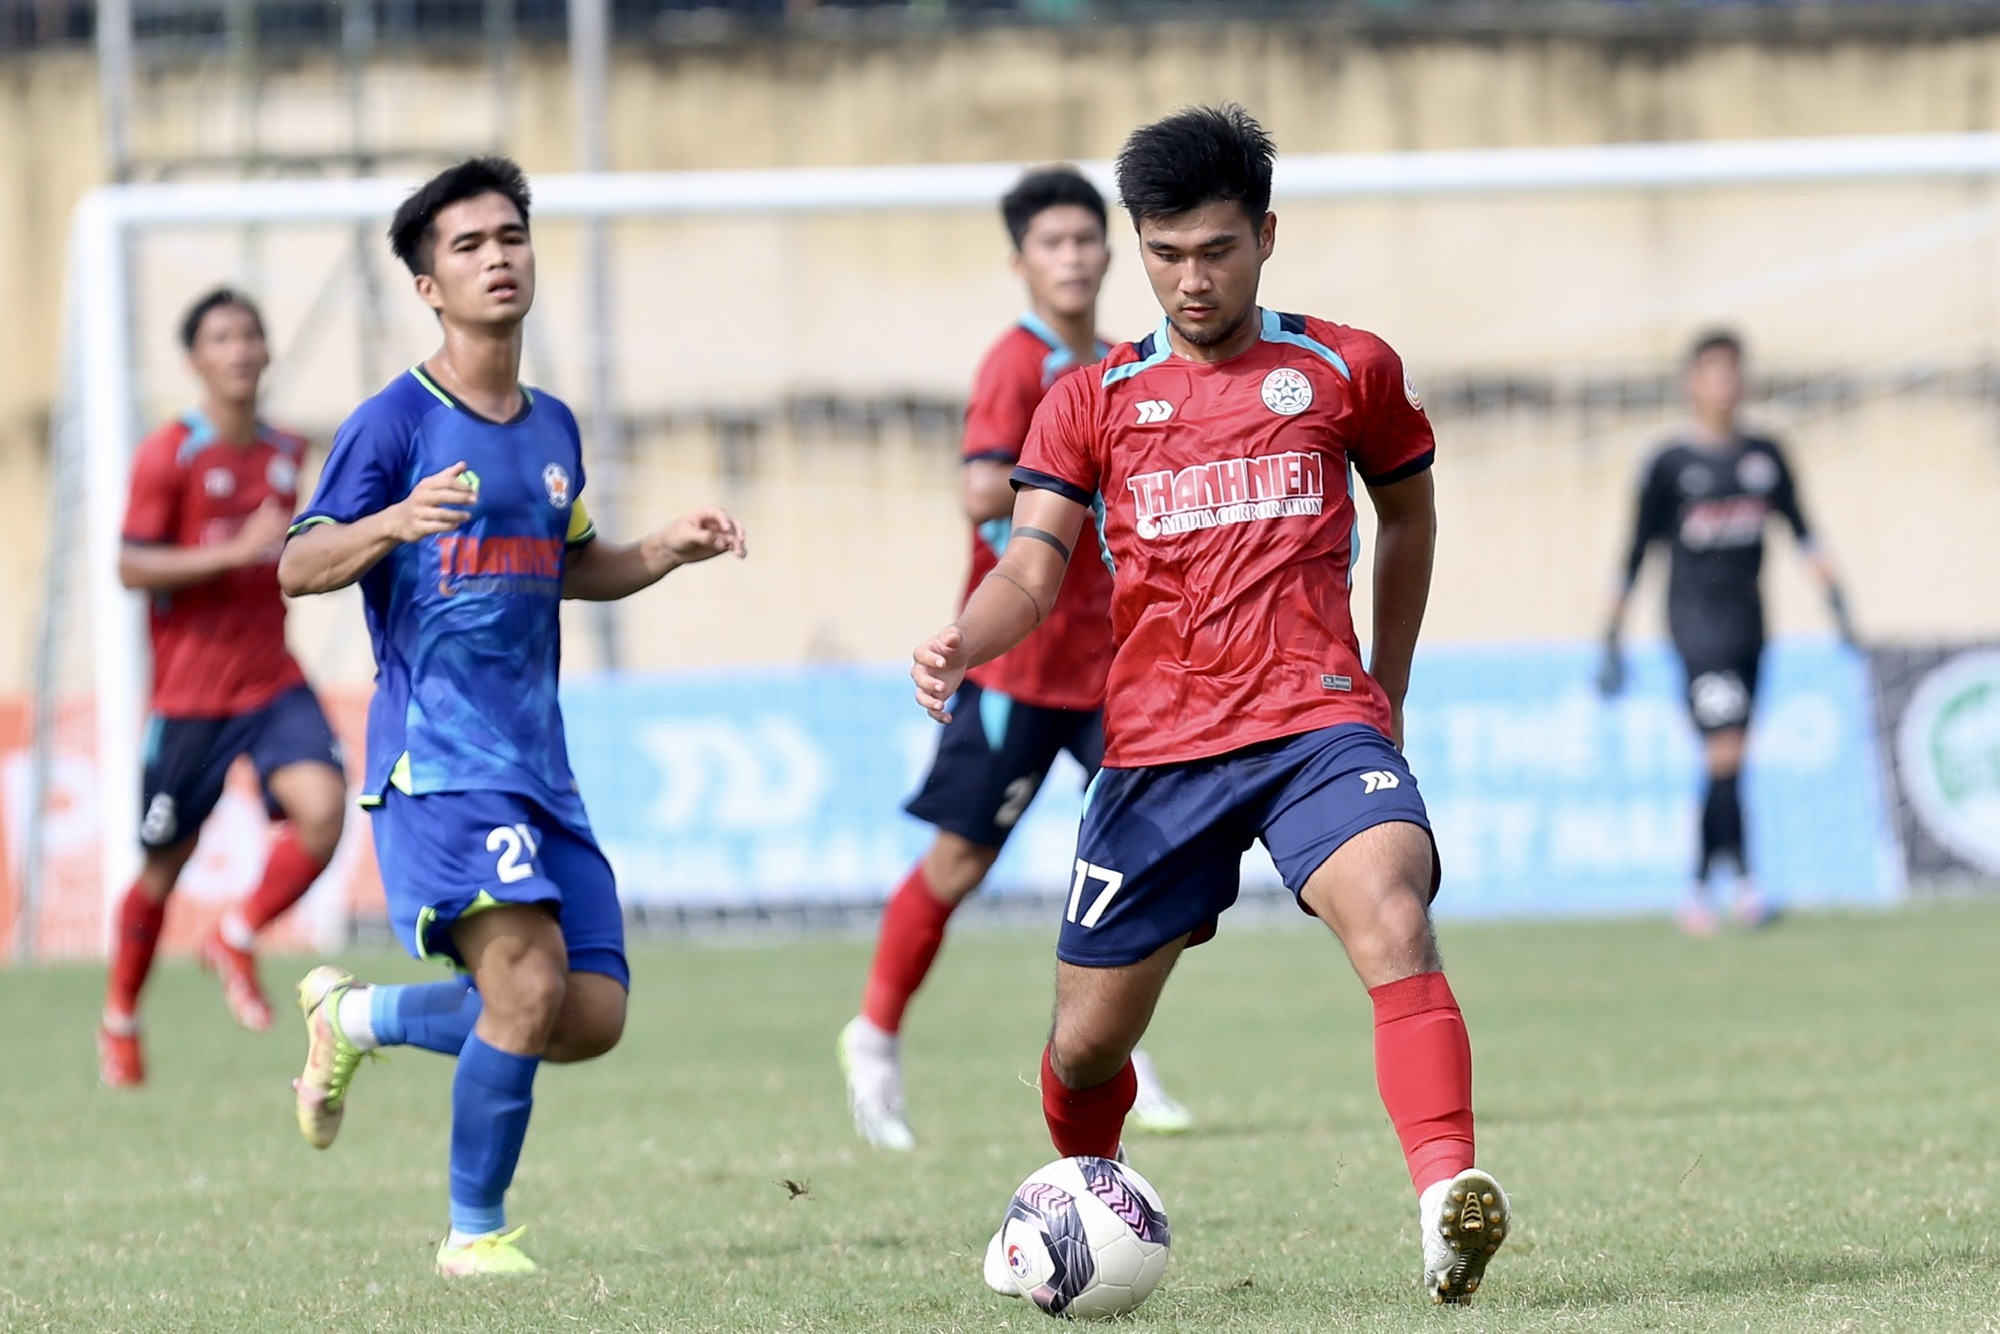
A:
[1463,1220]
[872,1064]
[1154,1109]
[995,1271]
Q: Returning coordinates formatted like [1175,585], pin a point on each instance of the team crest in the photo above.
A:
[1757,473]
[282,476]
[556,482]
[1287,392]
[218,482]
[1410,391]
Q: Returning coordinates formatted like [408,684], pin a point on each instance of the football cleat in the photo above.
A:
[874,1086]
[330,1058]
[119,1062]
[1750,909]
[494,1253]
[237,971]
[1463,1220]
[1154,1109]
[995,1271]
[1696,917]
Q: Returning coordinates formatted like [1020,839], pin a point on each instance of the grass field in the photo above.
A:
[1795,1131]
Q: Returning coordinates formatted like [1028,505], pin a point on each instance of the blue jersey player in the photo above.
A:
[454,497]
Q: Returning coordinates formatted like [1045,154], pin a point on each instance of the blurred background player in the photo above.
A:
[212,494]
[454,497]
[1016,714]
[1709,493]
[1237,707]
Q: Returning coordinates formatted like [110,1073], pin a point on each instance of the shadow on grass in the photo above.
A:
[1769,1276]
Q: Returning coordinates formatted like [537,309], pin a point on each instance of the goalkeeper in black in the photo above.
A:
[1709,494]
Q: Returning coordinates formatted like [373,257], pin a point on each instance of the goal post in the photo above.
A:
[94,435]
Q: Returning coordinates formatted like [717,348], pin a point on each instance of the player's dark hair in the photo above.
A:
[1716,340]
[414,228]
[214,301]
[1197,156]
[1047,188]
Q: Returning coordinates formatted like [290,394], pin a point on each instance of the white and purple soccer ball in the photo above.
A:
[1086,1238]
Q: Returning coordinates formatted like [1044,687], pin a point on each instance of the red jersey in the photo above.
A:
[219,646]
[1228,516]
[1062,665]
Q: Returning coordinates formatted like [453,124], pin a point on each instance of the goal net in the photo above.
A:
[797,345]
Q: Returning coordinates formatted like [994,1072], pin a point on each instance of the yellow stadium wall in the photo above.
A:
[1518,491]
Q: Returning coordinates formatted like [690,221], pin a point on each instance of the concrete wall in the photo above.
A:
[733,317]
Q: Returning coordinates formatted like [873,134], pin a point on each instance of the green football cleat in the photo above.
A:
[494,1253]
[330,1058]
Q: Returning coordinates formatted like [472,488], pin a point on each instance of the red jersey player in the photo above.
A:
[1016,713]
[1237,706]
[212,495]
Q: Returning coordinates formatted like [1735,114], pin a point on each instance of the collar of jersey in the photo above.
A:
[452,401]
[201,432]
[1039,327]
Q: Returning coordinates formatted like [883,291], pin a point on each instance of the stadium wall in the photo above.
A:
[1544,482]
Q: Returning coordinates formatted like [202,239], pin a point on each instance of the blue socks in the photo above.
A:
[437,1016]
[491,1097]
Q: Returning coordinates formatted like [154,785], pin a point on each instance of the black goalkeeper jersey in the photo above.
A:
[1711,506]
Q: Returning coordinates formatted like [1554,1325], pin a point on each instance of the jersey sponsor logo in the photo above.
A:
[1287,392]
[219,482]
[1379,780]
[491,564]
[1948,756]
[1332,682]
[282,475]
[1757,473]
[556,482]
[1154,410]
[1714,525]
[1231,491]
[1410,391]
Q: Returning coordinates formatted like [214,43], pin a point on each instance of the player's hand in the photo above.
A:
[437,504]
[939,670]
[1611,671]
[262,535]
[703,534]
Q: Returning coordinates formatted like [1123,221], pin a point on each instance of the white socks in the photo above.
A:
[356,1018]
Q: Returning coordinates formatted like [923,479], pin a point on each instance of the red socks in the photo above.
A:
[1423,1066]
[1087,1122]
[288,874]
[139,920]
[912,930]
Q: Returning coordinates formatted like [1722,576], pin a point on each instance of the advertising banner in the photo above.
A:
[1940,730]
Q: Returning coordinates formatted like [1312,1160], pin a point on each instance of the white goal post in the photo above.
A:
[100,389]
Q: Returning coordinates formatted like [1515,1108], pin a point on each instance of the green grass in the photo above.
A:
[1795,1131]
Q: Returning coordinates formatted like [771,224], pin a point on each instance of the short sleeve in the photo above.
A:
[1004,396]
[1061,453]
[1396,440]
[153,507]
[367,470]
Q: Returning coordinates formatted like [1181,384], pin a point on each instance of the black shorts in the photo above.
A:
[1721,682]
[992,759]
[187,760]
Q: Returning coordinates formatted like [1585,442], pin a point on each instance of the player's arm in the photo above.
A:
[161,568]
[597,570]
[1008,604]
[1785,500]
[987,487]
[324,554]
[1651,523]
[1405,546]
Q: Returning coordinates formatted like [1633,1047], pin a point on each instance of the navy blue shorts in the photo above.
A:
[187,759]
[992,759]
[447,855]
[1161,849]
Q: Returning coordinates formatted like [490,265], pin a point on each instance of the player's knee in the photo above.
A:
[1393,937]
[318,832]
[955,867]
[585,1035]
[1086,1057]
[530,990]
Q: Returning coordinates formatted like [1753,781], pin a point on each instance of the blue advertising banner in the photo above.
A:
[786,786]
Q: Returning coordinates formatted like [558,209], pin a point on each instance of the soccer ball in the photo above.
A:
[1086,1237]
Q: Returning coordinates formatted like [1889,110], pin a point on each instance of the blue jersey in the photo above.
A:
[464,624]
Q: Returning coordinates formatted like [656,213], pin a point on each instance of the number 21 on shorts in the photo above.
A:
[1112,881]
[513,842]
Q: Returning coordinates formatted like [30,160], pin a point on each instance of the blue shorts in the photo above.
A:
[187,759]
[992,759]
[448,854]
[1161,849]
